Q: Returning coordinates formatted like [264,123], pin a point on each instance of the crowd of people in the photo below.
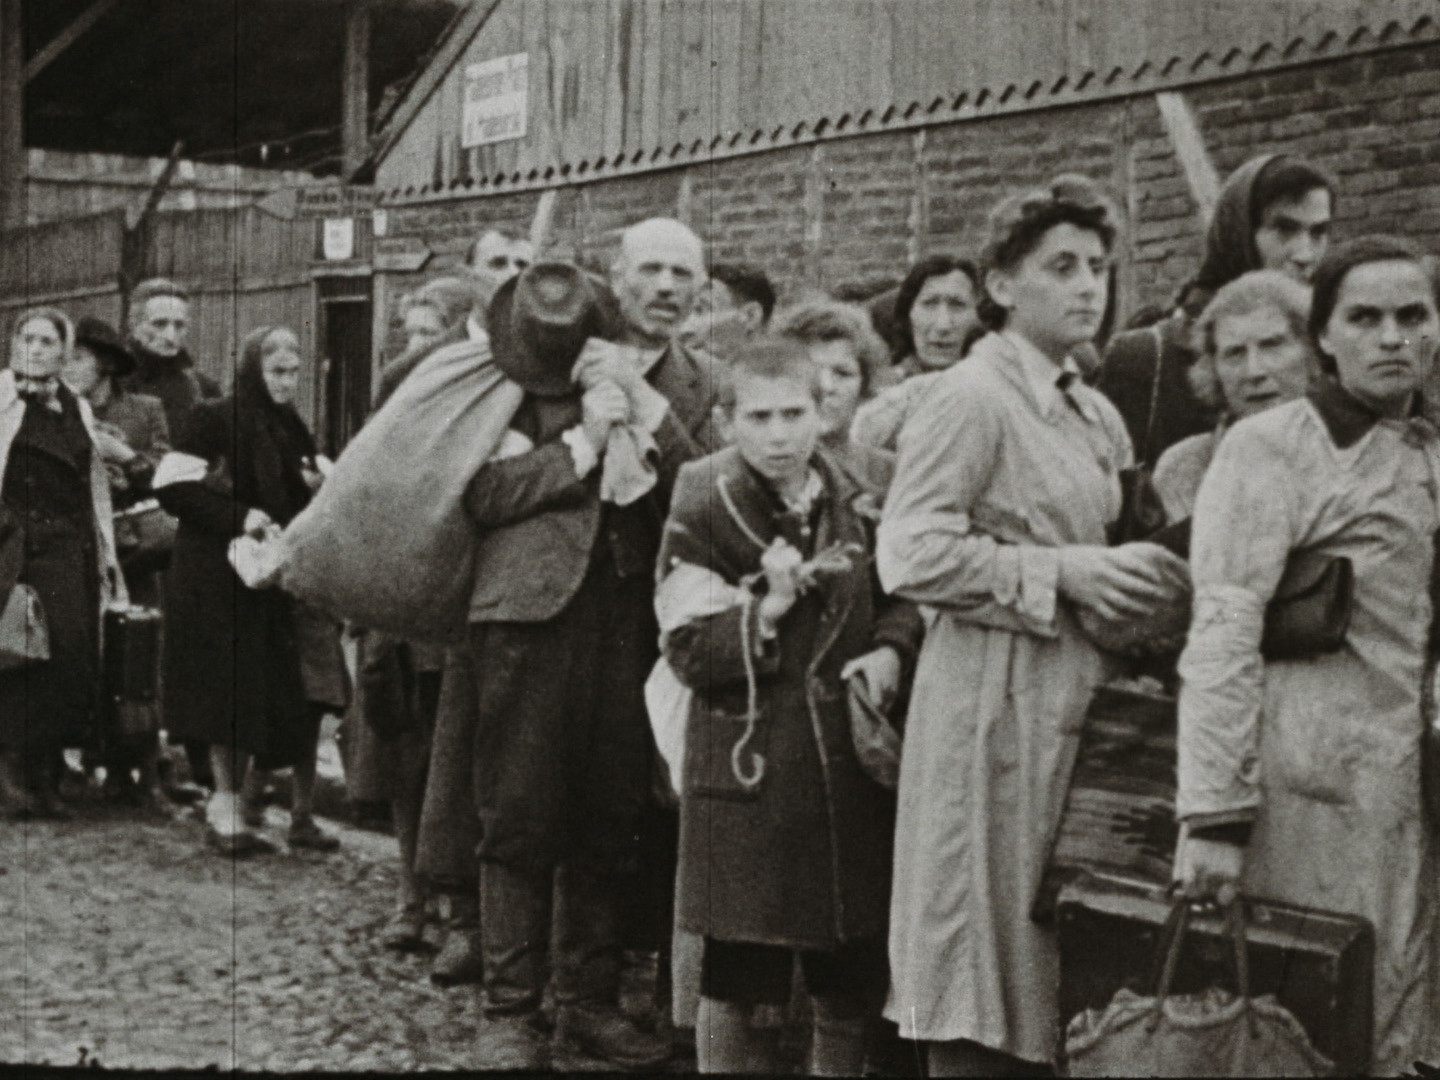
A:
[785,618]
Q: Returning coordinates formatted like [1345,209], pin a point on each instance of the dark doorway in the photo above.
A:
[345,354]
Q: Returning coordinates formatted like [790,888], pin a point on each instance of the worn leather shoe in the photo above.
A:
[405,932]
[461,959]
[514,1043]
[604,1031]
[304,833]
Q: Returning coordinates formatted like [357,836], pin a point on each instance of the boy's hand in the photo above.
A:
[603,406]
[781,565]
[880,670]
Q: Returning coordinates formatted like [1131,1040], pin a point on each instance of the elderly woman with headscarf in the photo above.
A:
[1252,353]
[1273,214]
[246,465]
[55,538]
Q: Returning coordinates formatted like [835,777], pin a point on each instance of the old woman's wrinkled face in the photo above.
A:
[1382,332]
[281,367]
[1259,360]
[941,319]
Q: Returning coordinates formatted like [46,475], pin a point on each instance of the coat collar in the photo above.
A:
[1038,375]
[1346,417]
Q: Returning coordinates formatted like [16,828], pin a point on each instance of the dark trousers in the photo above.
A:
[562,769]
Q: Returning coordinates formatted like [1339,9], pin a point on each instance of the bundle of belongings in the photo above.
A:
[387,543]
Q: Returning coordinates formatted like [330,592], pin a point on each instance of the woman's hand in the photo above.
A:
[257,523]
[880,668]
[1209,869]
[1127,581]
[112,445]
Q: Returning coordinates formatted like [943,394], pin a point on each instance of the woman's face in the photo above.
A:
[941,317]
[38,349]
[841,380]
[1382,332]
[1056,297]
[81,372]
[1259,360]
[423,327]
[281,368]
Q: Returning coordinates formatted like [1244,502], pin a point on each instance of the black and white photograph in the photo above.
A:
[853,538]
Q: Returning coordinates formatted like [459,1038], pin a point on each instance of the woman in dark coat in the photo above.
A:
[55,536]
[246,465]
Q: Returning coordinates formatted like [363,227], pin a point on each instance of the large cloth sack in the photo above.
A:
[1211,1033]
[386,542]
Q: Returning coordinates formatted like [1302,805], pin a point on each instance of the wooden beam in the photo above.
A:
[67,37]
[1190,149]
[13,161]
[355,90]
[452,46]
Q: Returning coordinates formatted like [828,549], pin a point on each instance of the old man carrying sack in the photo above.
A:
[566,455]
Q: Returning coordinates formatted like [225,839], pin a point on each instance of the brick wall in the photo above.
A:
[863,208]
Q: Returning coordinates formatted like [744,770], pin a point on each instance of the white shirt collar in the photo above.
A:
[474,331]
[1042,375]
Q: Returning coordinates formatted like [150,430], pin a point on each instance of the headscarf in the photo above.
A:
[272,442]
[1230,244]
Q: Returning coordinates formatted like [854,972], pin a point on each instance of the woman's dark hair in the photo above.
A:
[1019,224]
[929,267]
[830,320]
[1335,267]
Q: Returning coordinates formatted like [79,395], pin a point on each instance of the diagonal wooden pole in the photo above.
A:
[1185,137]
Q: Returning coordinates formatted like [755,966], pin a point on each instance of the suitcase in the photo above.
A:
[1119,810]
[132,668]
[1319,965]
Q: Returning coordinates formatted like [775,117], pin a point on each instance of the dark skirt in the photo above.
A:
[450,823]
[52,703]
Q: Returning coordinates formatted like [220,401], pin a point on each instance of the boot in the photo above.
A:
[515,934]
[837,1041]
[461,958]
[725,1042]
[16,798]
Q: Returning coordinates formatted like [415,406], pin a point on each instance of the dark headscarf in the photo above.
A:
[273,444]
[1230,243]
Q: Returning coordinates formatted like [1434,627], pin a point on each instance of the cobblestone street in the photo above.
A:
[125,942]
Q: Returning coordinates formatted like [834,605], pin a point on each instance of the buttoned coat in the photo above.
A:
[802,859]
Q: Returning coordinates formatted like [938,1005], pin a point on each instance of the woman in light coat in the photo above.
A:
[1300,780]
[1007,480]
[55,536]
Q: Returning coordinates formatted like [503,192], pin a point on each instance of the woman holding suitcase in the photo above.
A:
[1300,751]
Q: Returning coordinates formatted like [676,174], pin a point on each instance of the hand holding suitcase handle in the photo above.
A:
[1209,869]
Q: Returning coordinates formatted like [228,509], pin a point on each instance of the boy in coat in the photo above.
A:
[785,839]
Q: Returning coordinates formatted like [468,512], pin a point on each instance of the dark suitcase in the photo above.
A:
[1319,965]
[1119,811]
[132,668]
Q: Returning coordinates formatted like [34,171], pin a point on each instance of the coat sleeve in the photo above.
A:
[516,488]
[156,444]
[708,653]
[1245,525]
[927,551]
[206,433]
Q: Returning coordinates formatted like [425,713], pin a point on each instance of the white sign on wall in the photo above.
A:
[338,239]
[497,96]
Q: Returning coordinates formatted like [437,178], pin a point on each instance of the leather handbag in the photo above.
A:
[145,537]
[1310,612]
[877,743]
[1213,1032]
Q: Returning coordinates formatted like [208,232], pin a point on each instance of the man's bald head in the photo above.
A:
[655,277]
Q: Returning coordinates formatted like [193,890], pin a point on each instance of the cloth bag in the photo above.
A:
[386,543]
[1211,1033]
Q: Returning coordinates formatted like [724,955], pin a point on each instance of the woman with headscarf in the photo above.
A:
[245,466]
[1273,214]
[56,538]
[1301,758]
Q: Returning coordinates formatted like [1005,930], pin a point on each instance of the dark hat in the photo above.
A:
[540,320]
[104,341]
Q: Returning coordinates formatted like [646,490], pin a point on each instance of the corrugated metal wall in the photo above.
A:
[619,85]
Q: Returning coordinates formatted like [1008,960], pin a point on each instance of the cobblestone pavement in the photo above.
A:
[124,942]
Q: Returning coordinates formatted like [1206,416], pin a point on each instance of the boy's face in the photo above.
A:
[775,425]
